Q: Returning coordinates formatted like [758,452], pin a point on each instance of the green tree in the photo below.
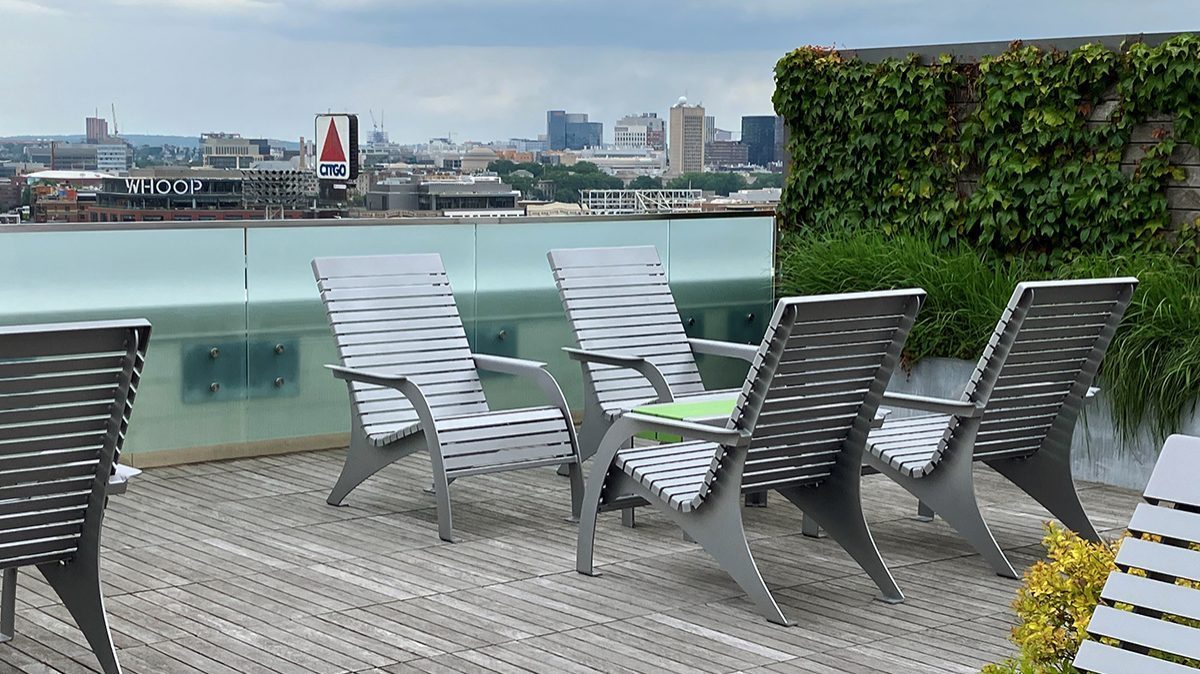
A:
[721,183]
[761,180]
[502,166]
[645,183]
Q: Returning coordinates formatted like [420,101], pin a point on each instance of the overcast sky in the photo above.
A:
[480,69]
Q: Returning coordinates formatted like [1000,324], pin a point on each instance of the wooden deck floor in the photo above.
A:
[242,567]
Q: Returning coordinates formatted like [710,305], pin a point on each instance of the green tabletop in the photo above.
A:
[706,410]
[692,410]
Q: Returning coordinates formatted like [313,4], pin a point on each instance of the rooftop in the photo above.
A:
[241,567]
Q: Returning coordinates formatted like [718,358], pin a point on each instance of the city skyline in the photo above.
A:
[264,67]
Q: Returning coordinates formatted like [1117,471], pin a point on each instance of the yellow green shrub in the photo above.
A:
[1055,603]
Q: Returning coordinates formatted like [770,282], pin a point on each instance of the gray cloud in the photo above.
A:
[481,69]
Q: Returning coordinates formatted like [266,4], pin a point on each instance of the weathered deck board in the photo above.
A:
[242,567]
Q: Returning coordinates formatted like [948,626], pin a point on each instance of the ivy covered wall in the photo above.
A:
[1030,151]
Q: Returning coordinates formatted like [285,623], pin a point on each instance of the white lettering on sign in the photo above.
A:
[333,147]
[180,187]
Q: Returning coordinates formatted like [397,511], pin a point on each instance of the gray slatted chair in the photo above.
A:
[1172,512]
[800,427]
[66,393]
[1017,414]
[414,383]
[632,345]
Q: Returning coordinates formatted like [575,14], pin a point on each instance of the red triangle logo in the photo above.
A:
[332,150]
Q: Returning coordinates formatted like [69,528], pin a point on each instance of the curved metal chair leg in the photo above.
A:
[838,511]
[589,508]
[441,492]
[364,460]
[949,490]
[8,605]
[1046,476]
[77,584]
[575,474]
[718,529]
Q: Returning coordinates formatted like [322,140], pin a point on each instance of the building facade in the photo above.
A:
[443,195]
[639,131]
[725,154]
[231,151]
[97,130]
[758,134]
[686,149]
[572,131]
[173,194]
[113,158]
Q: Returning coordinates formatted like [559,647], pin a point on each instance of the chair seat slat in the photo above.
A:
[1104,659]
[1146,631]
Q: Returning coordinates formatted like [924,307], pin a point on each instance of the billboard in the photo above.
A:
[337,147]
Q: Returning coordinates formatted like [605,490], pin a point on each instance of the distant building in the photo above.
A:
[638,131]
[710,128]
[443,195]
[632,202]
[781,137]
[477,159]
[231,151]
[97,130]
[62,195]
[758,133]
[725,153]
[63,156]
[174,194]
[686,149]
[113,158]
[722,134]
[517,156]
[627,163]
[10,193]
[530,145]
[572,131]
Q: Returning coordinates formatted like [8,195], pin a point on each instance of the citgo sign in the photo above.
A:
[333,147]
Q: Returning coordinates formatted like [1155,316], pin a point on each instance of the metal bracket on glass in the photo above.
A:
[274,368]
[214,371]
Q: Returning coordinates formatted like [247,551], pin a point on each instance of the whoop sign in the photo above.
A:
[337,147]
[179,186]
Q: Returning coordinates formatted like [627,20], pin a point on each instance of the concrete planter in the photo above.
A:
[1099,454]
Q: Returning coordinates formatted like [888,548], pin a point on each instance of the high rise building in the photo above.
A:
[638,131]
[725,154]
[556,129]
[685,152]
[758,134]
[710,128]
[97,130]
[572,130]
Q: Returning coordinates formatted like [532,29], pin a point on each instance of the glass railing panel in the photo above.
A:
[291,394]
[519,312]
[721,275]
[188,282]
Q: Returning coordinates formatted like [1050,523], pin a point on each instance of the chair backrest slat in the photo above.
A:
[66,393]
[812,392]
[1041,359]
[618,300]
[1155,567]
[396,314]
